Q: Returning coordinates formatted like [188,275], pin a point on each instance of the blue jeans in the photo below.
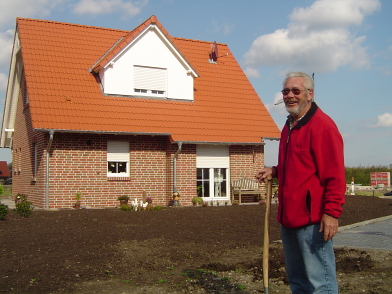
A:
[310,261]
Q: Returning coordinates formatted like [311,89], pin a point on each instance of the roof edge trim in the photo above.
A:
[103,132]
[218,143]
[96,64]
[271,138]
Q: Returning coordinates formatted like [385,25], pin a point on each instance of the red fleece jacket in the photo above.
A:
[311,170]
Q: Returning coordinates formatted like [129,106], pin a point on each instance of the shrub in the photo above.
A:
[158,208]
[24,208]
[123,197]
[197,200]
[1,190]
[125,207]
[3,211]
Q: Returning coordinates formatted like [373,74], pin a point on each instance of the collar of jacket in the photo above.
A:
[303,121]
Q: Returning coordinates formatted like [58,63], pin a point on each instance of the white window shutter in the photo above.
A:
[150,78]
[118,151]
[212,156]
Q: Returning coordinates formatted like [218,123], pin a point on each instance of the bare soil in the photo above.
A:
[176,250]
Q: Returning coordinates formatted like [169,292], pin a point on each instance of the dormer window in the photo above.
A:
[150,81]
[146,66]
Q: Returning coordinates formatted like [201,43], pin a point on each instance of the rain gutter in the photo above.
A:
[51,133]
[175,166]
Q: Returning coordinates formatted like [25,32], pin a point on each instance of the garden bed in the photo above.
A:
[176,250]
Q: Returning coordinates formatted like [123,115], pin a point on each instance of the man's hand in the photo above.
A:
[329,225]
[265,172]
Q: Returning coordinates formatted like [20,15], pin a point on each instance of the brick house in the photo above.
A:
[110,112]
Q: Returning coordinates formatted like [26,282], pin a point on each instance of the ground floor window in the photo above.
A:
[212,182]
[118,159]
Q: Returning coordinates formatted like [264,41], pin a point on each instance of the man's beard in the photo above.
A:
[297,110]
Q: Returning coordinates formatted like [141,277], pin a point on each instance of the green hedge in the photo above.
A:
[361,174]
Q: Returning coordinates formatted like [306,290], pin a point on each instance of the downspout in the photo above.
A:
[51,133]
[175,167]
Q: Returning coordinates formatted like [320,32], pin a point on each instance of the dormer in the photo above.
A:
[145,64]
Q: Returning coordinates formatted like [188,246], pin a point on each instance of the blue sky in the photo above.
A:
[347,44]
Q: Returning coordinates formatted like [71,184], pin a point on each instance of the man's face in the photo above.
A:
[298,104]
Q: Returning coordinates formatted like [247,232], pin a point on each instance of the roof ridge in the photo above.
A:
[70,24]
[129,36]
[199,41]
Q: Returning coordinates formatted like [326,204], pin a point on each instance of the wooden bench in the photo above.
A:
[245,186]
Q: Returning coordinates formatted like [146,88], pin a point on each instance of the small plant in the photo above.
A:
[205,204]
[1,190]
[240,287]
[123,197]
[161,281]
[226,203]
[212,203]
[149,200]
[20,198]
[3,211]
[158,208]
[200,190]
[24,208]
[217,203]
[197,200]
[125,207]
[77,197]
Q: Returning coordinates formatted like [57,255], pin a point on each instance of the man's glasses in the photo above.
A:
[295,91]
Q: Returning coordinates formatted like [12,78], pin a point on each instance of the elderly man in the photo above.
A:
[312,184]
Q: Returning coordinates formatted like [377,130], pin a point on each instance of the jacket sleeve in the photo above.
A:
[327,148]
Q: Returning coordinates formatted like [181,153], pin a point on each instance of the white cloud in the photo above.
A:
[317,39]
[10,9]
[251,72]
[384,120]
[325,14]
[277,107]
[95,7]
[225,28]
[6,40]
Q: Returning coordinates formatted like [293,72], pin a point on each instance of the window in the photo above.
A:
[118,159]
[212,163]
[212,182]
[150,80]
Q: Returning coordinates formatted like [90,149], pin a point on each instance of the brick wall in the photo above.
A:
[245,161]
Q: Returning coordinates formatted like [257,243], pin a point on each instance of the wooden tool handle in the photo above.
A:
[268,183]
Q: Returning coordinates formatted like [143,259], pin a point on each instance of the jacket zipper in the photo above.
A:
[284,174]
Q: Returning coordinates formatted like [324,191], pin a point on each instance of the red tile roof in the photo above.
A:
[64,95]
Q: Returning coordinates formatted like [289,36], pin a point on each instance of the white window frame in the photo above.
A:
[214,157]
[215,191]
[118,153]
